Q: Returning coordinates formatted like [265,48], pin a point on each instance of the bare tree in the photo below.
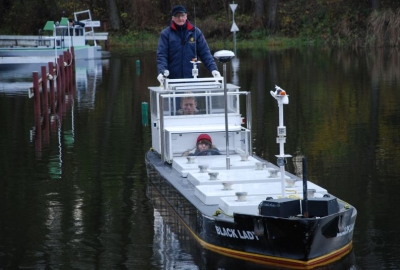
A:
[114,15]
[375,4]
[259,9]
[272,7]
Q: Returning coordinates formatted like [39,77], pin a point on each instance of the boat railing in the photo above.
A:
[89,23]
[192,84]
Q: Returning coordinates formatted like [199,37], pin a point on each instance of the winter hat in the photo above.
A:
[204,137]
[178,9]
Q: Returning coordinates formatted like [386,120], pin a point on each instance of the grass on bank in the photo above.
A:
[143,41]
[381,30]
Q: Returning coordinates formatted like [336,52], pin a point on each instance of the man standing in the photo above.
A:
[180,43]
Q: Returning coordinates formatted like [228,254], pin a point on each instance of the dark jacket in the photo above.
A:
[177,46]
[210,152]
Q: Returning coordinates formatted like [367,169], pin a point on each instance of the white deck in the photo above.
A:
[233,176]
[244,177]
[211,194]
[215,163]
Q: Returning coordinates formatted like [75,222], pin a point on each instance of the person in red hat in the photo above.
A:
[204,147]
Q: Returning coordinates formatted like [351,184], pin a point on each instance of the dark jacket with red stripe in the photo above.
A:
[177,46]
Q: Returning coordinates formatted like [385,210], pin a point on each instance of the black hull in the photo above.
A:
[286,242]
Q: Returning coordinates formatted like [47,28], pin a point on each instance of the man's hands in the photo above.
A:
[215,73]
[161,77]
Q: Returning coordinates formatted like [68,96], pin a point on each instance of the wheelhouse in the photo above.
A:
[174,133]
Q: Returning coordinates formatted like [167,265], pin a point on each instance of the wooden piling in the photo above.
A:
[45,94]
[36,92]
[51,86]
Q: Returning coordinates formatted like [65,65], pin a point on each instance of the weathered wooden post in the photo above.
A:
[45,94]
[51,86]
[36,93]
[38,130]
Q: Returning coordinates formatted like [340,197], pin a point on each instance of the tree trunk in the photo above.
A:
[113,13]
[272,7]
[259,9]
[375,4]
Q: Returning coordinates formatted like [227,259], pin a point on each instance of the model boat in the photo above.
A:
[234,202]
[53,40]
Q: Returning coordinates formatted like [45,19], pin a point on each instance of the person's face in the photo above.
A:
[203,145]
[179,18]
[188,106]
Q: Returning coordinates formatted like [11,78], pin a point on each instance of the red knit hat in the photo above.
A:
[204,137]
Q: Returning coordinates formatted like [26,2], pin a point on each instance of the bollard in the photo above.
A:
[138,67]
[145,116]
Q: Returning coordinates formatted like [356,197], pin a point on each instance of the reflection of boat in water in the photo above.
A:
[16,79]
[61,36]
[237,204]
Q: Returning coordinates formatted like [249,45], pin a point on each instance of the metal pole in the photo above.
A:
[305,198]
[161,131]
[228,162]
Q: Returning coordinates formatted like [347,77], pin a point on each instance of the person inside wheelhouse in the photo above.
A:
[188,106]
[204,147]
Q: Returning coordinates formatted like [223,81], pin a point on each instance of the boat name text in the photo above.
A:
[346,230]
[233,233]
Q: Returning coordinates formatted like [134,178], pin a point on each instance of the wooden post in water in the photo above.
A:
[38,130]
[45,94]
[58,82]
[36,92]
[45,108]
[62,75]
[68,70]
[51,86]
[73,68]
[59,89]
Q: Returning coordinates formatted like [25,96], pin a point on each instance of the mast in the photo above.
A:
[282,98]
[224,57]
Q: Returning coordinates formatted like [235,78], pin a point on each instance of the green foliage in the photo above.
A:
[338,22]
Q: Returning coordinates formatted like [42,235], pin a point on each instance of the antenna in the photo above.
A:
[195,26]
[195,61]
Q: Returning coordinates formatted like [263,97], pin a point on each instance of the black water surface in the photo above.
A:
[76,198]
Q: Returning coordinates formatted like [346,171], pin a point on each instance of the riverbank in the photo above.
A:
[146,42]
